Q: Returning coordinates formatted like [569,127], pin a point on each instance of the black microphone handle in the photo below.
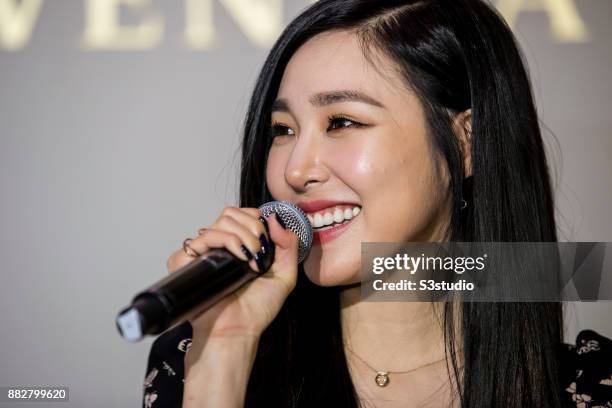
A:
[185,293]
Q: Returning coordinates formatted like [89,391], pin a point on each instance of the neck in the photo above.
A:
[391,336]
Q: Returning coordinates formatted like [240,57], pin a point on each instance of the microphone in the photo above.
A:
[197,286]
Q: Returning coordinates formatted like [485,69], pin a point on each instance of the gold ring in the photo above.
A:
[188,249]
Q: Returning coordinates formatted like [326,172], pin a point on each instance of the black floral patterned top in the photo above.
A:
[586,370]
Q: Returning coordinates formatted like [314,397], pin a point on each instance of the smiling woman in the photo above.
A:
[385,121]
[377,156]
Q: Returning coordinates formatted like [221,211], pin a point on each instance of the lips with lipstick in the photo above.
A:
[329,218]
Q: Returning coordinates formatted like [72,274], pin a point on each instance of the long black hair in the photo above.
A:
[456,55]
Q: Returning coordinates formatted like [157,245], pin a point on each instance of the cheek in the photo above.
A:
[398,183]
[275,170]
[360,164]
[374,166]
[414,199]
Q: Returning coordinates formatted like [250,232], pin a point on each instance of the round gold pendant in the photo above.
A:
[382,378]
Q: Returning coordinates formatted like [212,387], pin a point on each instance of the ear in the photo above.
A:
[463,130]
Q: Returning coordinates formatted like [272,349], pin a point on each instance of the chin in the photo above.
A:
[329,275]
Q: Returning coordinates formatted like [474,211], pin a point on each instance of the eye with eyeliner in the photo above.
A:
[343,119]
[281,129]
[278,127]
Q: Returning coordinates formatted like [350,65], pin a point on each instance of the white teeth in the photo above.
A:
[318,220]
[328,219]
[338,215]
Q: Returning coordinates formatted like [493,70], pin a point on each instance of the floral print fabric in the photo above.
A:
[163,384]
[586,370]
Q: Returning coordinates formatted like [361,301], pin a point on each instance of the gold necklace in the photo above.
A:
[382,377]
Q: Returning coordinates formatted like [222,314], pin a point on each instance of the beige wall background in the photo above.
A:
[119,128]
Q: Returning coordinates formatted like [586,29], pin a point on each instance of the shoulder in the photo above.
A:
[163,383]
[586,371]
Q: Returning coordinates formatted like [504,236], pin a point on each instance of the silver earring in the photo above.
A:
[463,204]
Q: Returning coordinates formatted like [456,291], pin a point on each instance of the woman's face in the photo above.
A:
[346,134]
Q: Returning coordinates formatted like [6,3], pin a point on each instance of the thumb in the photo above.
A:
[286,248]
[284,239]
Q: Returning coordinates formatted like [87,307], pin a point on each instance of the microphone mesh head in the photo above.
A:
[295,220]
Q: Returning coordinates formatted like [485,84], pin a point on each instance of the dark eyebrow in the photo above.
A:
[328,98]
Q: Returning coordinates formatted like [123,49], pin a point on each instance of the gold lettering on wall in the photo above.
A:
[200,25]
[17,19]
[566,24]
[260,20]
[103,30]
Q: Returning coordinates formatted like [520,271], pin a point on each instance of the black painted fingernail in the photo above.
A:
[280,221]
[246,252]
[265,246]
[260,262]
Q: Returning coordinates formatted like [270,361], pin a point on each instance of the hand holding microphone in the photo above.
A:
[230,283]
[240,270]
[250,309]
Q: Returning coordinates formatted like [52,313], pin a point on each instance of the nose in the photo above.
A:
[305,167]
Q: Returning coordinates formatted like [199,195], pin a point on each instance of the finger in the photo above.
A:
[255,212]
[212,238]
[257,248]
[253,220]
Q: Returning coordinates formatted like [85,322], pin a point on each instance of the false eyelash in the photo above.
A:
[278,124]
[330,118]
[272,128]
[342,117]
